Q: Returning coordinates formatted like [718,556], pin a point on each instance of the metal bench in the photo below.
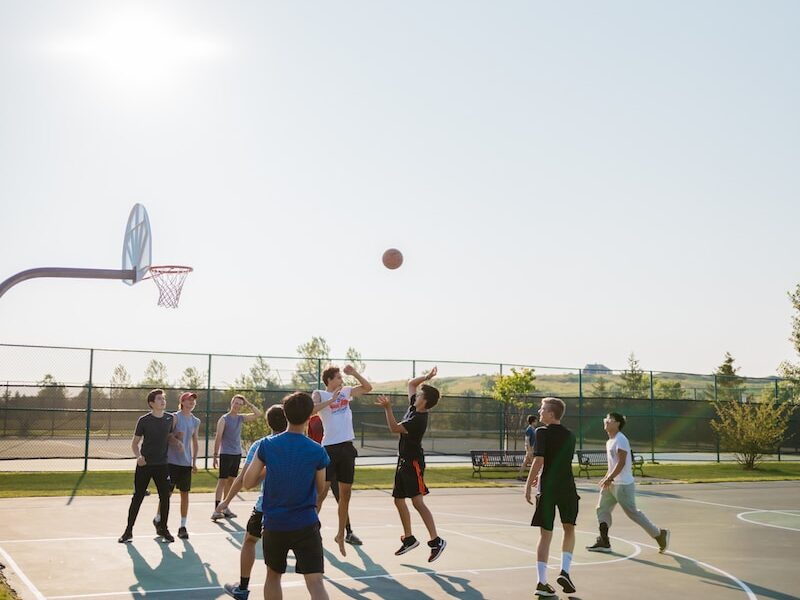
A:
[483,459]
[588,459]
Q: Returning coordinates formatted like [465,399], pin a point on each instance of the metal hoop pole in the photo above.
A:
[66,273]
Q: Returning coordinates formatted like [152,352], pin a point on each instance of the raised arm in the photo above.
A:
[413,384]
[256,414]
[363,387]
[394,426]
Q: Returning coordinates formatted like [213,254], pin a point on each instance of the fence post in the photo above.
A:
[319,373]
[715,387]
[413,369]
[776,390]
[652,422]
[580,409]
[88,412]
[5,412]
[208,412]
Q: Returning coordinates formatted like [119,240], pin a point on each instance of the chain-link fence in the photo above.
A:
[79,404]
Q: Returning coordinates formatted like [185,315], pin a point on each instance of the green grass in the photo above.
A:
[109,483]
[6,593]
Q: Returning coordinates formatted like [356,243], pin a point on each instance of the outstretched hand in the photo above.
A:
[383,401]
[349,370]
[339,539]
[432,373]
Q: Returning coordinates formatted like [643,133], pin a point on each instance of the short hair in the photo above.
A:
[431,395]
[618,418]
[329,374]
[555,406]
[151,397]
[298,407]
[531,419]
[276,418]
[237,397]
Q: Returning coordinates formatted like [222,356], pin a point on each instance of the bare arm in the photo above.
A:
[195,450]
[319,404]
[363,387]
[533,476]
[319,481]
[413,384]
[256,414]
[394,426]
[218,440]
[135,447]
[252,473]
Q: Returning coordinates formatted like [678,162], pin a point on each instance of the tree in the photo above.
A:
[514,391]
[155,375]
[668,390]
[118,391]
[192,379]
[751,429]
[788,370]
[307,371]
[728,383]
[633,380]
[599,388]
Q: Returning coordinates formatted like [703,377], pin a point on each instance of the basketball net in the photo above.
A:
[170,280]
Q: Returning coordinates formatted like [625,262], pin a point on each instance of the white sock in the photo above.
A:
[566,561]
[541,570]
[183,523]
[157,519]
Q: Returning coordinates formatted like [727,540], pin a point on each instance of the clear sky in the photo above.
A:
[569,182]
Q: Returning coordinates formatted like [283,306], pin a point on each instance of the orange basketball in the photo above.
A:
[392,258]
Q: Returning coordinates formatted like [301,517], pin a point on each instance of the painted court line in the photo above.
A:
[741,517]
[15,567]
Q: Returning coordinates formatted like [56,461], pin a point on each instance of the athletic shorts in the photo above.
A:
[408,479]
[343,462]
[229,465]
[546,504]
[256,523]
[180,477]
[306,543]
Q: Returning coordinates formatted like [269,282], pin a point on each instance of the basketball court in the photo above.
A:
[728,541]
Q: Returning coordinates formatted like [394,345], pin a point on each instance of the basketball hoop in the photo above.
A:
[170,280]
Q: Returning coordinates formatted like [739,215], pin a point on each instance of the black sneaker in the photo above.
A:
[126,538]
[545,589]
[352,539]
[600,545]
[437,547]
[157,525]
[166,536]
[183,534]
[566,583]
[663,540]
[409,543]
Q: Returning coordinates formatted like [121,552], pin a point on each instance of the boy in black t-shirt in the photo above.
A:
[408,479]
[553,448]
[149,445]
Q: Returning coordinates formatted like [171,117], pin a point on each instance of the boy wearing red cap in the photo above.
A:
[182,462]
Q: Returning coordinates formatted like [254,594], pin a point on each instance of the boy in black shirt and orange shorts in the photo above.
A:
[408,479]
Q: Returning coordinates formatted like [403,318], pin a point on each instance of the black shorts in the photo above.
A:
[256,523]
[409,479]
[306,543]
[229,465]
[546,504]
[342,467]
[180,477]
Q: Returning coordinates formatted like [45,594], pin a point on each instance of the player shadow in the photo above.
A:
[375,579]
[456,587]
[194,572]
[689,567]
[235,532]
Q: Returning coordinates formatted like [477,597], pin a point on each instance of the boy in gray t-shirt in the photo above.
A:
[228,449]
[182,462]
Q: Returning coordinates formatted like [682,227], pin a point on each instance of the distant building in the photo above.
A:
[596,368]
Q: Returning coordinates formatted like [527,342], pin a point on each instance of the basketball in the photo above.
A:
[392,258]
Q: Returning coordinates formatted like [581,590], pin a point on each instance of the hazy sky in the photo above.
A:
[569,182]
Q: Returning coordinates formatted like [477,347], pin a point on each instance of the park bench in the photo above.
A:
[484,459]
[588,459]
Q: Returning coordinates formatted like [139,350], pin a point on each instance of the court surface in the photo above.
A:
[728,541]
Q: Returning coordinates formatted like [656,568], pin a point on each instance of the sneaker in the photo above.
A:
[233,590]
[409,543]
[600,545]
[216,515]
[228,514]
[566,583]
[353,539]
[437,547]
[126,538]
[545,589]
[663,540]
[166,536]
[183,534]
